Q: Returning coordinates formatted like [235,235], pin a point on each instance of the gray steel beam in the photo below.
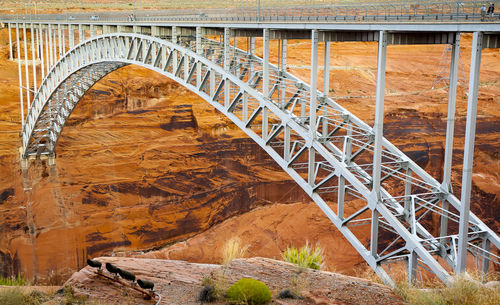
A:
[26,66]
[227,60]
[378,130]
[470,134]
[20,75]
[32,30]
[450,127]
[326,70]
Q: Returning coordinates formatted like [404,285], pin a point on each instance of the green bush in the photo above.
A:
[249,291]
[305,257]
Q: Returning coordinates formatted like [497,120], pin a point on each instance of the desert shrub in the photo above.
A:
[462,290]
[305,257]
[233,249]
[249,291]
[208,291]
[288,294]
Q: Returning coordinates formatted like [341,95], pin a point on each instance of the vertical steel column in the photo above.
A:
[450,126]
[51,48]
[71,36]
[252,53]
[26,66]
[470,134]
[63,42]
[283,69]
[378,129]
[33,57]
[326,71]
[54,45]
[19,69]
[227,60]
[313,107]
[314,83]
[198,51]
[80,34]
[412,267]
[42,54]
[347,160]
[174,41]
[265,80]
[11,56]
[485,264]
[59,34]
[47,51]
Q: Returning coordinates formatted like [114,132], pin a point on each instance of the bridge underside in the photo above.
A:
[335,157]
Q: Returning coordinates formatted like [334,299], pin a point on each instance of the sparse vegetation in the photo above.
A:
[288,294]
[233,249]
[249,291]
[462,291]
[208,291]
[305,257]
[15,296]
[12,281]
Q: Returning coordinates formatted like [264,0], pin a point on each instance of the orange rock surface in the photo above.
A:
[143,163]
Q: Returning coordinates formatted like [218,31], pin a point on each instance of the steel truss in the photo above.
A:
[327,150]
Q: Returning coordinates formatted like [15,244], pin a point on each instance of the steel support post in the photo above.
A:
[314,84]
[347,160]
[252,53]
[326,71]
[313,107]
[283,69]
[54,45]
[485,264]
[450,127]
[71,36]
[19,69]
[26,66]
[265,63]
[51,48]
[412,267]
[47,51]
[174,41]
[265,80]
[245,107]
[470,134]
[81,34]
[11,56]
[286,147]
[227,61]
[63,40]
[378,130]
[42,53]
[59,37]
[198,51]
[32,30]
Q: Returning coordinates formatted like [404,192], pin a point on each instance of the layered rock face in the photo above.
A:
[143,163]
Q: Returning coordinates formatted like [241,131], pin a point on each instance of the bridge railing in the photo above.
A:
[407,11]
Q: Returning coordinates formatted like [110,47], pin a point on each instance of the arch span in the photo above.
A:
[330,156]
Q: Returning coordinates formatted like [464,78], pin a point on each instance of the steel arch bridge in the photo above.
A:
[336,158]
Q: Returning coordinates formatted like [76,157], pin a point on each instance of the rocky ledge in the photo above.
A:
[179,282]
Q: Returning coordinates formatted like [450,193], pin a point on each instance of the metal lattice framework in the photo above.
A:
[352,173]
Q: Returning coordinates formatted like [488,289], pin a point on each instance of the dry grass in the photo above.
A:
[232,249]
[462,291]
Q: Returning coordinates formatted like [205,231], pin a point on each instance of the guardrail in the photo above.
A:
[430,11]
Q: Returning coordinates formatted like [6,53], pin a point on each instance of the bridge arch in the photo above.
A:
[324,153]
